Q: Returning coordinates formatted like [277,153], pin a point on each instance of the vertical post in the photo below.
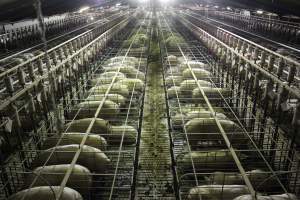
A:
[41,22]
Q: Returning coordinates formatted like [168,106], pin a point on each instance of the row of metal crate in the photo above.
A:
[213,145]
[104,165]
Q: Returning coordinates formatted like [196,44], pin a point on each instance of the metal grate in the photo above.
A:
[242,140]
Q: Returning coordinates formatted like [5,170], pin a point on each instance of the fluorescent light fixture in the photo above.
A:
[166,1]
[83,9]
[259,12]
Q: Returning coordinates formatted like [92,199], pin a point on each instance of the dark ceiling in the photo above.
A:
[12,10]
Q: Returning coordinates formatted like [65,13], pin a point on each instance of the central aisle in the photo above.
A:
[155,178]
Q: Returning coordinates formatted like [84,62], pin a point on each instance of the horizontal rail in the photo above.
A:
[60,36]
[277,55]
[14,69]
[37,67]
[251,17]
[35,83]
[295,91]
[261,19]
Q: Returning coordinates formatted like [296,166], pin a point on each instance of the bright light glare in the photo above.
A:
[92,18]
[228,8]
[118,4]
[217,7]
[166,1]
[259,12]
[84,9]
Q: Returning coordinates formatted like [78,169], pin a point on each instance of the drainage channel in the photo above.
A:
[154,176]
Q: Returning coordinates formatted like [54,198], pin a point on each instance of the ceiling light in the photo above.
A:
[259,12]
[165,1]
[83,9]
